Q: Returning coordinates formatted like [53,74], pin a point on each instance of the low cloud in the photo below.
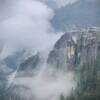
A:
[47,85]
[27,26]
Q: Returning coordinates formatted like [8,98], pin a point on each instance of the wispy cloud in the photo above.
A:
[26,24]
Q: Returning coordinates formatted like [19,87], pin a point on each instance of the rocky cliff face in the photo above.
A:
[29,66]
[75,48]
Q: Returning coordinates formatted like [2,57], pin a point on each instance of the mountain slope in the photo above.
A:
[82,13]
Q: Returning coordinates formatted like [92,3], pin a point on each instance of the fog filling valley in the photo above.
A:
[25,24]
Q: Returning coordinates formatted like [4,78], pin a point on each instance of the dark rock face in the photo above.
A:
[29,63]
[62,42]
[57,59]
[58,56]
[75,48]
[29,66]
[88,46]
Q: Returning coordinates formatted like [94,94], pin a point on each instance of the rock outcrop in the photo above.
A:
[75,48]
